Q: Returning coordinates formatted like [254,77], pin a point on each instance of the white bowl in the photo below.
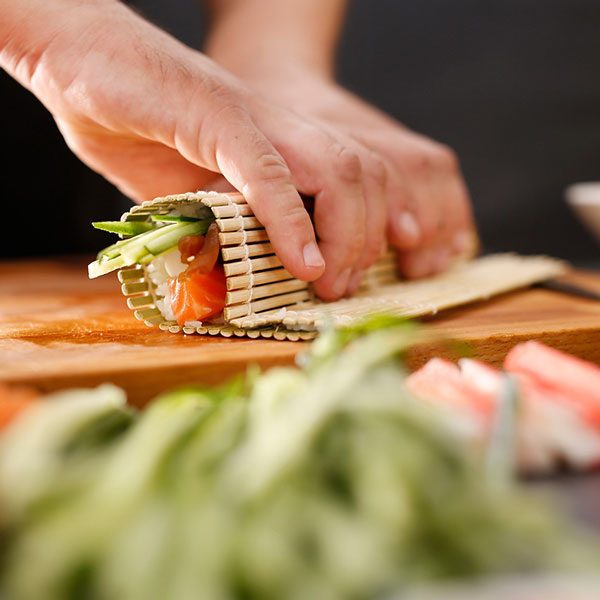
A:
[584,200]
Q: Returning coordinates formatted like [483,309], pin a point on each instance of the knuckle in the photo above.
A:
[224,107]
[435,158]
[220,93]
[294,218]
[375,169]
[346,164]
[272,170]
[357,242]
[227,113]
[371,252]
[421,163]
[430,223]
[444,158]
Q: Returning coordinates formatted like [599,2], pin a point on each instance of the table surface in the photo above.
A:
[58,329]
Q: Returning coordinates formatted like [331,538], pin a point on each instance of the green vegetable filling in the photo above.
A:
[146,239]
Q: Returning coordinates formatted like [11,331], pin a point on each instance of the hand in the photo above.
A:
[428,211]
[155,117]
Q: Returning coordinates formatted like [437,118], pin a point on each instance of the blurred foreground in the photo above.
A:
[324,482]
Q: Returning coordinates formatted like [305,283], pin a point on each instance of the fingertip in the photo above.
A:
[463,242]
[354,282]
[417,264]
[330,290]
[441,260]
[303,264]
[406,232]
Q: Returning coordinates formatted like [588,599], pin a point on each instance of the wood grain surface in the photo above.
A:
[59,330]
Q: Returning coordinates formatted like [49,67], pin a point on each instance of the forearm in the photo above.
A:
[29,27]
[254,36]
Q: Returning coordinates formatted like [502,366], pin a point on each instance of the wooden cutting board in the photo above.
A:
[58,329]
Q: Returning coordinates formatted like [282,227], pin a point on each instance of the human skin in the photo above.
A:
[156,117]
[413,185]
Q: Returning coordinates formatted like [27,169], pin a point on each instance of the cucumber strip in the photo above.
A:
[124,227]
[142,248]
[170,238]
[174,219]
[108,252]
[98,268]
[136,247]
[115,249]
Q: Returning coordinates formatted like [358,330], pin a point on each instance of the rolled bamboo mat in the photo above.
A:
[264,300]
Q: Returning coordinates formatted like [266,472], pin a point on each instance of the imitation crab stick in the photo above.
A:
[574,380]
[558,410]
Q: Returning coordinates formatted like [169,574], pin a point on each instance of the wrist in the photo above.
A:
[277,38]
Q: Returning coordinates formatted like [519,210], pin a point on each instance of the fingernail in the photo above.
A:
[341,283]
[354,282]
[409,228]
[312,256]
[461,241]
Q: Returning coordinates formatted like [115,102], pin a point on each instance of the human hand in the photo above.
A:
[156,117]
[429,217]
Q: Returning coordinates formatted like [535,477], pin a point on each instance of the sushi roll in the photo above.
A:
[202,263]
[195,262]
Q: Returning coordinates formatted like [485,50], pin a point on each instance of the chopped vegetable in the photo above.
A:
[174,219]
[124,227]
[328,482]
[143,248]
[197,293]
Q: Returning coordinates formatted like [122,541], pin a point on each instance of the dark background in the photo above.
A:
[512,85]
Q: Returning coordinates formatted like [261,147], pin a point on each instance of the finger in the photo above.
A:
[403,228]
[453,236]
[463,238]
[401,225]
[415,264]
[373,176]
[332,173]
[252,164]
[373,183]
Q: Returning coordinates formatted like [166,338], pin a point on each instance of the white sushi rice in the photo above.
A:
[159,270]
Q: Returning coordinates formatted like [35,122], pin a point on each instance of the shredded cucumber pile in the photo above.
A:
[146,239]
[326,482]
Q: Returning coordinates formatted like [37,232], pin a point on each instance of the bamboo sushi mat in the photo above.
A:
[264,300]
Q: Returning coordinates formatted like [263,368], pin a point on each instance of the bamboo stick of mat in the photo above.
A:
[228,211]
[262,291]
[260,278]
[238,252]
[231,312]
[252,265]
[235,238]
[239,223]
